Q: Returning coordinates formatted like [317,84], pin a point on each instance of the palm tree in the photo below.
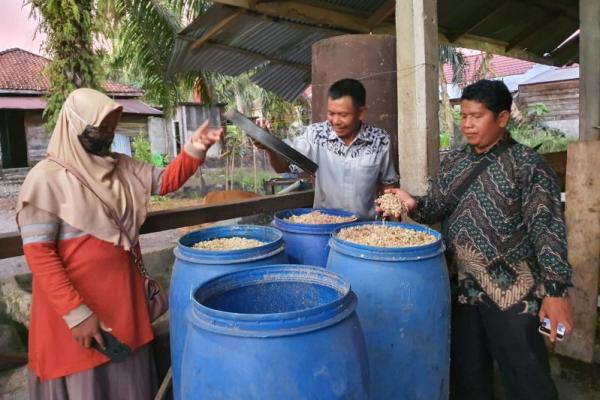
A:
[449,55]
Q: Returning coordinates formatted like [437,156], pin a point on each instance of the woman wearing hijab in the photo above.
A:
[84,276]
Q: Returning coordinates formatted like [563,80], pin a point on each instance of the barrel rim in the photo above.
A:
[273,324]
[190,254]
[280,222]
[407,253]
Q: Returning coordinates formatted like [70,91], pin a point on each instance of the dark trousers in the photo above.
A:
[482,334]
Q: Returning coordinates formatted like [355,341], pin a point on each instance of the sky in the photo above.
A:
[17,29]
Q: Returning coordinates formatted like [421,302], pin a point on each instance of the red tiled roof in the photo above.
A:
[500,66]
[22,71]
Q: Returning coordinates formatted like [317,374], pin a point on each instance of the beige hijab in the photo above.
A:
[121,182]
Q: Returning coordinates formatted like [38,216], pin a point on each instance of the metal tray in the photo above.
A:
[271,142]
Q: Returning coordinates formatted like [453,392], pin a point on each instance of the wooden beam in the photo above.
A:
[311,14]
[170,219]
[219,26]
[11,245]
[477,18]
[568,53]
[589,70]
[417,72]
[582,214]
[494,46]
[530,30]
[382,13]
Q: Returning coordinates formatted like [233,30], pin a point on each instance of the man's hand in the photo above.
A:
[87,331]
[406,197]
[204,137]
[558,310]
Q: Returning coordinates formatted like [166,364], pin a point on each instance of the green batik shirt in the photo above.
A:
[506,237]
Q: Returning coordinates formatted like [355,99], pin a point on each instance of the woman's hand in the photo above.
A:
[204,137]
[89,330]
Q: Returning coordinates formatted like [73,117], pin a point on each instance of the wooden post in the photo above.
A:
[589,70]
[583,235]
[582,211]
[417,64]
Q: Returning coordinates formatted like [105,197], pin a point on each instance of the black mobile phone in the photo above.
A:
[113,349]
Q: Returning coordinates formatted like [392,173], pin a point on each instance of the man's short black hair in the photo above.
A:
[349,87]
[493,94]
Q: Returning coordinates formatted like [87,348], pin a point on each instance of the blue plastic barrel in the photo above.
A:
[308,244]
[283,332]
[194,266]
[405,313]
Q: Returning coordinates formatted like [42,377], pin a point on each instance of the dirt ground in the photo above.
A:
[8,202]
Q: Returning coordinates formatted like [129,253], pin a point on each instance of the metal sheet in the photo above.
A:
[271,142]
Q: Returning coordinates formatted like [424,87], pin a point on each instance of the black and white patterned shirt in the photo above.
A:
[348,176]
[507,233]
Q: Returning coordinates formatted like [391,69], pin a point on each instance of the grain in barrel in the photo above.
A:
[385,236]
[231,243]
[318,217]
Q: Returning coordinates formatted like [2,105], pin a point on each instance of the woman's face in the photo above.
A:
[98,140]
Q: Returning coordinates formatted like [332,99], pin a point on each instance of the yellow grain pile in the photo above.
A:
[385,236]
[232,243]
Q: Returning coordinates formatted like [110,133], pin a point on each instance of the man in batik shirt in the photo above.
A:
[506,239]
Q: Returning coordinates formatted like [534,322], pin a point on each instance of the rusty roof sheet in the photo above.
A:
[277,48]
[277,51]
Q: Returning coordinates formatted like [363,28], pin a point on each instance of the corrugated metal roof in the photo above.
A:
[281,46]
[369,6]
[282,49]
[554,75]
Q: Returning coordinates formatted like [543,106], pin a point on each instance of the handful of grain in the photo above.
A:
[385,236]
[391,204]
[317,217]
[232,243]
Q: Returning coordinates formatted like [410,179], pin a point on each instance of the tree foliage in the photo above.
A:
[70,26]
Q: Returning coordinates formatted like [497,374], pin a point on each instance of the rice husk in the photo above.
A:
[391,204]
[232,243]
[385,236]
[317,217]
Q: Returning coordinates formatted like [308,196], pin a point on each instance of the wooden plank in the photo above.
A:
[558,163]
[582,214]
[310,13]
[382,13]
[417,72]
[527,31]
[476,18]
[11,245]
[216,28]
[589,70]
[170,219]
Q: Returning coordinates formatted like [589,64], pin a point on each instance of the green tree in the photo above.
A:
[71,27]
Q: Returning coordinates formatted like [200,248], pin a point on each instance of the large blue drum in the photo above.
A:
[194,266]
[282,332]
[404,309]
[308,244]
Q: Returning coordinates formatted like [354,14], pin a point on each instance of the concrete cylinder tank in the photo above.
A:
[369,58]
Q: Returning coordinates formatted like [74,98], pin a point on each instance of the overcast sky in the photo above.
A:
[17,29]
